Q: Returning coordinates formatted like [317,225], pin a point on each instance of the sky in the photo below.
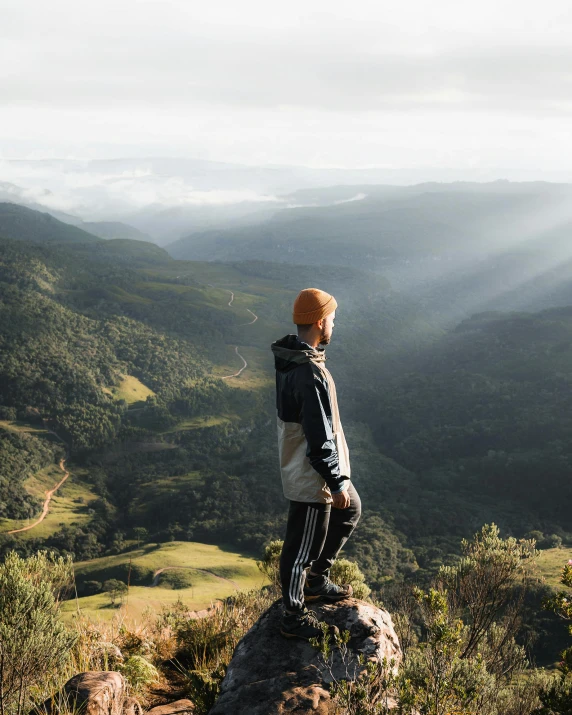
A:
[447,83]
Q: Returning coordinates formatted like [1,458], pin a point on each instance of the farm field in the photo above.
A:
[206,572]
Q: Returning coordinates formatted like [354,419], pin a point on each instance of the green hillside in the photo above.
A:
[115,229]
[161,574]
[24,224]
[384,228]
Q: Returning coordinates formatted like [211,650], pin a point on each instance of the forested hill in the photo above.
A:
[485,416]
[119,349]
[457,249]
[24,224]
[378,228]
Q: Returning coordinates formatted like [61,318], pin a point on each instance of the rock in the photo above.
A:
[96,692]
[131,706]
[179,707]
[272,675]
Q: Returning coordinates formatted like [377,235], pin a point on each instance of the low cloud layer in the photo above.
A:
[96,194]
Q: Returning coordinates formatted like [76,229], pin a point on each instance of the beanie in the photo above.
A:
[311,305]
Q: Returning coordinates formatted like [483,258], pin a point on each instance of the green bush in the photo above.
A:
[344,571]
[269,565]
[33,642]
[139,673]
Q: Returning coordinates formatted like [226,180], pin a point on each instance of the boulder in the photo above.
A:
[273,675]
[96,692]
[179,707]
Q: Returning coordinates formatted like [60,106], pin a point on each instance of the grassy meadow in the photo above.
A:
[131,390]
[206,573]
[551,562]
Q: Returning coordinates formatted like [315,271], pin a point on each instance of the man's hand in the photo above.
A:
[341,500]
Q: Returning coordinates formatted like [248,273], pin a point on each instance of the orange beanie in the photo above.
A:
[311,305]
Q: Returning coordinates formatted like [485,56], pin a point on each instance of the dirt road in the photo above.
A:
[49,496]
[252,321]
[236,374]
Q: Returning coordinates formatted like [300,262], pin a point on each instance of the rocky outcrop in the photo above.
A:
[272,675]
[96,692]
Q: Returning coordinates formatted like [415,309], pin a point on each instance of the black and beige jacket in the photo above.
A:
[314,456]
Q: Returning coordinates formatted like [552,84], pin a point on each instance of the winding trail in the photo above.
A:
[236,374]
[192,568]
[252,321]
[49,496]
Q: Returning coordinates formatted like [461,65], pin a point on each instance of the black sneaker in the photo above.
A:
[321,588]
[303,625]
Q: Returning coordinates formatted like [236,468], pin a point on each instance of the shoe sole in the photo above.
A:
[325,599]
[330,599]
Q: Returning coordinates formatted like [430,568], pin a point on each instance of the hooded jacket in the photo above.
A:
[314,456]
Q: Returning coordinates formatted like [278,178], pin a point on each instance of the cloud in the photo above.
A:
[65,186]
[320,83]
[140,55]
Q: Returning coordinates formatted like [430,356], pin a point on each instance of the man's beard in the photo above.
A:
[325,339]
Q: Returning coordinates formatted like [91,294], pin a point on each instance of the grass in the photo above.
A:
[68,506]
[22,427]
[131,390]
[194,423]
[551,562]
[213,573]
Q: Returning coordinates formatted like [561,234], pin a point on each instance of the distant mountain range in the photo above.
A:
[457,248]
[169,198]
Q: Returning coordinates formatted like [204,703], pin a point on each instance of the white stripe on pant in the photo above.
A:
[296,592]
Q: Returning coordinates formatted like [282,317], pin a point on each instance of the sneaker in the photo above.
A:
[303,625]
[320,588]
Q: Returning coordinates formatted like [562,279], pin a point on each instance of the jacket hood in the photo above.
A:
[289,352]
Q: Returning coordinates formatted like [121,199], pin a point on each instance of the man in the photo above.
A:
[314,464]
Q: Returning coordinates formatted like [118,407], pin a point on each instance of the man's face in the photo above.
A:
[327,328]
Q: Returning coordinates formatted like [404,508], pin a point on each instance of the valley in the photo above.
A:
[157,372]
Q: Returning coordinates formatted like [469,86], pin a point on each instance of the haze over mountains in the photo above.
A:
[169,198]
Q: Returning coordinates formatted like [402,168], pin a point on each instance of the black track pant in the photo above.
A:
[314,536]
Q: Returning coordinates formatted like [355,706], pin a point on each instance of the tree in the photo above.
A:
[116,589]
[140,533]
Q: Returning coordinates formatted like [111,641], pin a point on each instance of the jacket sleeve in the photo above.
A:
[316,420]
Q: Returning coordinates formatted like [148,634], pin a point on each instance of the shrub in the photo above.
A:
[270,563]
[139,673]
[204,646]
[344,571]
[33,642]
